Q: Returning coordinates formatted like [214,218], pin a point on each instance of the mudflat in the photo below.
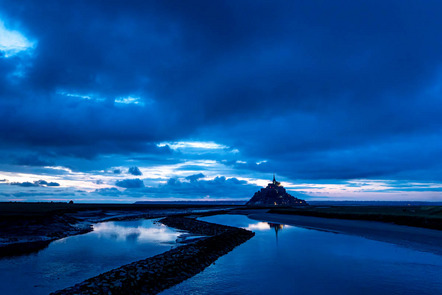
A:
[428,216]
[421,239]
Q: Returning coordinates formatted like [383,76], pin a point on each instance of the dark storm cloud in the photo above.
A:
[402,157]
[130,183]
[37,183]
[108,191]
[195,177]
[134,171]
[32,160]
[24,184]
[320,89]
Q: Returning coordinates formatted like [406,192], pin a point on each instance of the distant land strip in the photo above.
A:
[417,216]
[157,273]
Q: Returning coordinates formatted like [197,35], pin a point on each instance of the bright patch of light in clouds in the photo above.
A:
[129,100]
[350,186]
[81,96]
[209,145]
[78,180]
[12,42]
[163,172]
[87,97]
[93,97]
[84,184]
[61,168]
[256,181]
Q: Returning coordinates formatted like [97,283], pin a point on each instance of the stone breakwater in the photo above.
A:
[157,273]
[196,226]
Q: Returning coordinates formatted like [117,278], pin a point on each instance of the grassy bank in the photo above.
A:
[418,216]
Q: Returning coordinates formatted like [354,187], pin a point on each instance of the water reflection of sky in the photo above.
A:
[144,232]
[306,261]
[265,226]
[71,260]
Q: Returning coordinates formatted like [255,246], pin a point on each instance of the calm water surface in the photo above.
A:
[284,259]
[71,260]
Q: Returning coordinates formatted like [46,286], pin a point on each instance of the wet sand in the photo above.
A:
[420,239]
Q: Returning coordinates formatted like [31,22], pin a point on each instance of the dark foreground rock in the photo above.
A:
[155,274]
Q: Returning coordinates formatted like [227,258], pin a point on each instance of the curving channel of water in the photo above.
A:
[283,259]
[71,260]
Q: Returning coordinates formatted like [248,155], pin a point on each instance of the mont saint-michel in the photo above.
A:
[276,195]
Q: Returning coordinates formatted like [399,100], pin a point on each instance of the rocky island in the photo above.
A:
[274,195]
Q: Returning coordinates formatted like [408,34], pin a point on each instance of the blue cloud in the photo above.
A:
[24,184]
[37,183]
[108,191]
[130,183]
[195,177]
[32,160]
[309,90]
[218,188]
[134,171]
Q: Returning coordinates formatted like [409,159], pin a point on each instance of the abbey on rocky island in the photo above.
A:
[274,195]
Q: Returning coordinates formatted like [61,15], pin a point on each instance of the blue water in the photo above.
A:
[71,260]
[283,259]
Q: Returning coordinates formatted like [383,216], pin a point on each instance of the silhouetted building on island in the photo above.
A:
[274,195]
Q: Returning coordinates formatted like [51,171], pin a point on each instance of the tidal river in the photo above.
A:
[73,259]
[280,259]
[283,259]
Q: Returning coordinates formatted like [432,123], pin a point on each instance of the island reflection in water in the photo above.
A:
[267,226]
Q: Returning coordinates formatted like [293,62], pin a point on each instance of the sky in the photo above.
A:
[124,101]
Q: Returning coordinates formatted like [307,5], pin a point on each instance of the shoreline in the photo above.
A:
[27,234]
[27,228]
[422,239]
[416,216]
[157,273]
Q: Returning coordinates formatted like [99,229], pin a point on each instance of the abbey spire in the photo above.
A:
[274,182]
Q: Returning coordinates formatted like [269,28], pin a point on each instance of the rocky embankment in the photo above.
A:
[152,275]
